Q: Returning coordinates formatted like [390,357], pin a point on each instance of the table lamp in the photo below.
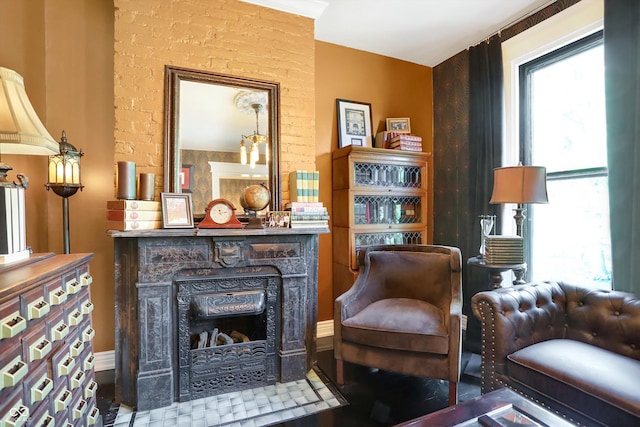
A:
[520,185]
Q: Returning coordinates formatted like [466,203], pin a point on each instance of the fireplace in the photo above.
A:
[171,286]
[227,330]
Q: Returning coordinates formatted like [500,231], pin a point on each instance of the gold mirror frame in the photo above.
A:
[172,158]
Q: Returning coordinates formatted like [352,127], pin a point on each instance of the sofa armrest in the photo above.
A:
[513,318]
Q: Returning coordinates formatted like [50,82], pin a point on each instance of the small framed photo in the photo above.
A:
[278,219]
[354,123]
[399,125]
[176,210]
[186,178]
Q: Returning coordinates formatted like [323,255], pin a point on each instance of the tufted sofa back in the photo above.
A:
[607,319]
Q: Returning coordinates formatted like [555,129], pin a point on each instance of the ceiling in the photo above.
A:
[425,32]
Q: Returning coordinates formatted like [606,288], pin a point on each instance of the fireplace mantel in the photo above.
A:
[146,263]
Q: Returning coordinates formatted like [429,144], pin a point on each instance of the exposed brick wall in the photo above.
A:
[225,36]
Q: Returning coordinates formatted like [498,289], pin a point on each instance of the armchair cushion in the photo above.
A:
[399,324]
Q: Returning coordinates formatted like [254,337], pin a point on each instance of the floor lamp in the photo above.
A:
[21,132]
[64,180]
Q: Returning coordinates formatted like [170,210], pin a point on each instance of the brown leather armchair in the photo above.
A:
[403,313]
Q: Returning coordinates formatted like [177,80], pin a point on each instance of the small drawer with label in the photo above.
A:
[61,399]
[37,385]
[13,372]
[17,412]
[88,333]
[38,309]
[76,347]
[57,295]
[93,416]
[76,379]
[62,363]
[41,416]
[78,408]
[12,324]
[35,344]
[45,420]
[89,361]
[85,279]
[91,389]
[72,286]
[87,307]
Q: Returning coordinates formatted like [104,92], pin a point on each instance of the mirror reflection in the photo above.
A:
[221,136]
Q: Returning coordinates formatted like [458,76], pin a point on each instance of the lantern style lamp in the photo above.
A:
[64,180]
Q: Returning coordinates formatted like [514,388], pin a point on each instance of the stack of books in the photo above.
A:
[383,139]
[126,215]
[406,142]
[304,186]
[308,215]
[504,250]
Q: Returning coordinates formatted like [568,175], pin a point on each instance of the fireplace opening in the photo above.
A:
[228,329]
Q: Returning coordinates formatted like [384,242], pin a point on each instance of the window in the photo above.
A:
[563,127]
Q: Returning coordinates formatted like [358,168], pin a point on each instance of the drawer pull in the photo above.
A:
[12,373]
[88,334]
[16,416]
[60,330]
[44,387]
[12,325]
[46,421]
[75,318]
[57,296]
[65,366]
[40,349]
[92,418]
[86,279]
[76,347]
[62,400]
[38,309]
[90,391]
[87,307]
[73,286]
[77,380]
[78,411]
[89,362]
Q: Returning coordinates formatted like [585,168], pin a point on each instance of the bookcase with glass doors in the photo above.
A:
[379,197]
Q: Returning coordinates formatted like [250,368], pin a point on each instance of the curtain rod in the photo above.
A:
[515,21]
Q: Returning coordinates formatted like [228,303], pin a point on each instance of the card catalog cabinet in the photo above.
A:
[379,197]
[47,375]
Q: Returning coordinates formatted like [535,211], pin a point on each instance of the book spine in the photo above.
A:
[309,217]
[315,186]
[133,225]
[22,220]
[406,138]
[15,220]
[137,205]
[121,215]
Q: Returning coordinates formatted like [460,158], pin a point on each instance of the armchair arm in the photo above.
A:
[513,318]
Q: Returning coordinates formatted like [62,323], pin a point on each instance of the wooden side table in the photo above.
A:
[496,270]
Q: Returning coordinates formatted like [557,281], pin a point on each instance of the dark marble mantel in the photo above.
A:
[146,263]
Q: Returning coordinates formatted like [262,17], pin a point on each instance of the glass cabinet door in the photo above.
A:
[372,210]
[386,176]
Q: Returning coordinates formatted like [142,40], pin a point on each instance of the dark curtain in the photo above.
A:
[485,153]
[622,88]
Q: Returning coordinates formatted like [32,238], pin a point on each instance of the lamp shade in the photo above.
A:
[21,131]
[519,184]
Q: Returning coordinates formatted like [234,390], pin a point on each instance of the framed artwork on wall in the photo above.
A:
[399,125]
[354,123]
[186,178]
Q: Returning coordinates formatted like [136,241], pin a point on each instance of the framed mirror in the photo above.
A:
[221,135]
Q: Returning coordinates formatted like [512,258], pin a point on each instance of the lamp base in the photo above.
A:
[16,256]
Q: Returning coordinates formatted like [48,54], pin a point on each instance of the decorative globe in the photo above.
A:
[255,197]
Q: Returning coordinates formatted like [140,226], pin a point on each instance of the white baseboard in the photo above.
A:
[106,360]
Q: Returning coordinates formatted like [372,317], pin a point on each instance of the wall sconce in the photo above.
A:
[64,180]
[21,132]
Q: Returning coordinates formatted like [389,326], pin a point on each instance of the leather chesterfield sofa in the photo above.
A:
[575,351]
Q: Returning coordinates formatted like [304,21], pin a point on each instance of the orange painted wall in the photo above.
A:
[394,88]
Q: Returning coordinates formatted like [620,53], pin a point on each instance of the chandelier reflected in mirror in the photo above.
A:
[256,101]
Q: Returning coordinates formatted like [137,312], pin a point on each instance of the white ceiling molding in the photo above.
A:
[308,8]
